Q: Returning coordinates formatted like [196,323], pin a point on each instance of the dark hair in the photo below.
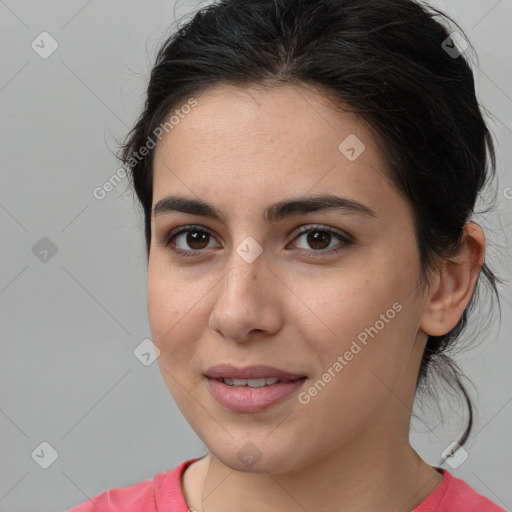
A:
[391,62]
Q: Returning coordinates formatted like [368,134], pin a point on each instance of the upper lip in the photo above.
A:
[249,372]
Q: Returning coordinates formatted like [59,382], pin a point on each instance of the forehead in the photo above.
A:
[263,143]
[260,114]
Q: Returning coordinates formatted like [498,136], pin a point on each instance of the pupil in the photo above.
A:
[196,237]
[313,240]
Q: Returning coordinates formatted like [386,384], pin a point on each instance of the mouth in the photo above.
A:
[255,383]
[251,389]
[252,376]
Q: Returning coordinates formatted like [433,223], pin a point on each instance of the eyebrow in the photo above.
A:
[272,213]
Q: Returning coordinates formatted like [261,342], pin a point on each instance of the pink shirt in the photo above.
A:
[163,494]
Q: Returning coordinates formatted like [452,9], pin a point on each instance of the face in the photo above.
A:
[324,299]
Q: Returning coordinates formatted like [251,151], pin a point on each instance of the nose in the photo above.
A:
[247,301]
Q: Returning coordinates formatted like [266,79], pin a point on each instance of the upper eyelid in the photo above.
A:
[295,232]
[320,227]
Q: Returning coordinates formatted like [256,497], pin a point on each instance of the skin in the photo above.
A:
[348,448]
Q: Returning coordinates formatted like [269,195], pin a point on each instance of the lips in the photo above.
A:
[232,373]
[253,388]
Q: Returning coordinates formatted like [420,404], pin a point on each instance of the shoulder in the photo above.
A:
[141,497]
[454,494]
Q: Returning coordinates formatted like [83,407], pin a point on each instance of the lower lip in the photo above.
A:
[247,399]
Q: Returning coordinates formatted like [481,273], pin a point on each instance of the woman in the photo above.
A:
[308,171]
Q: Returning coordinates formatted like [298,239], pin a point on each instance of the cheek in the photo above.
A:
[161,309]
[172,320]
[364,333]
[177,312]
[168,303]
[348,305]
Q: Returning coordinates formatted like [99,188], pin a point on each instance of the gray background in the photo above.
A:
[70,324]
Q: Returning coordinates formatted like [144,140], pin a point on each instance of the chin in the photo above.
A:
[259,457]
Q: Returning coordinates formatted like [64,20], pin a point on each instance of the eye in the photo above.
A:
[319,238]
[194,239]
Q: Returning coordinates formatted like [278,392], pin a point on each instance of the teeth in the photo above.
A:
[252,383]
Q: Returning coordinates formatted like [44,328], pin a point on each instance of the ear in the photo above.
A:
[453,283]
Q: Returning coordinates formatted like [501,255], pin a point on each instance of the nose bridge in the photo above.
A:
[243,301]
[246,269]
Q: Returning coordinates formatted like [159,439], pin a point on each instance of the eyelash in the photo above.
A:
[345,240]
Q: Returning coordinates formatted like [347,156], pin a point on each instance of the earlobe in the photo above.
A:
[454,284]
